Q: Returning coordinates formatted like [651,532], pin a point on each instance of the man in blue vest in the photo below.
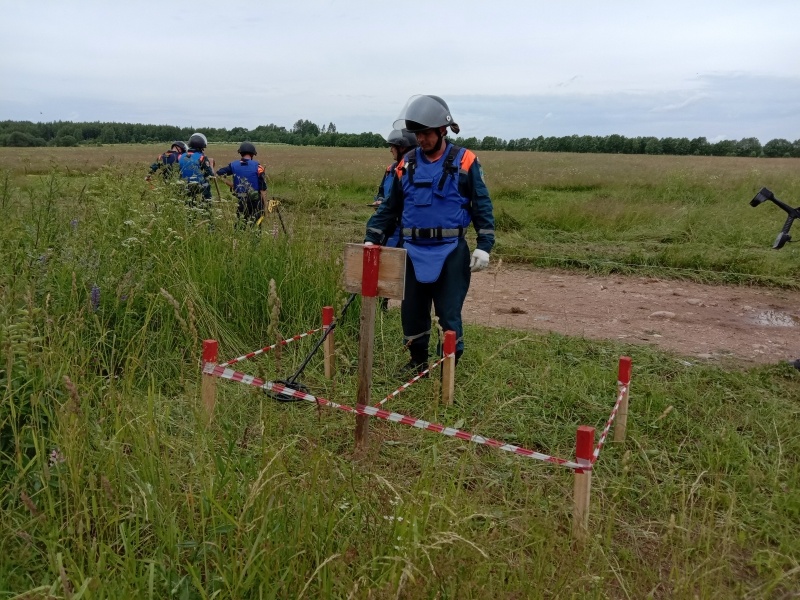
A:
[438,189]
[167,161]
[196,169]
[249,185]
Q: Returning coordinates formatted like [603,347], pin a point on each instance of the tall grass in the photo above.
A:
[114,486]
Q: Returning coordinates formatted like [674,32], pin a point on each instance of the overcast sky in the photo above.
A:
[723,69]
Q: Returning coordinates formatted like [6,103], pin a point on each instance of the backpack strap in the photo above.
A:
[448,168]
[412,165]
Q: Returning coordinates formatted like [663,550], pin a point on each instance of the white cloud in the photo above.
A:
[680,105]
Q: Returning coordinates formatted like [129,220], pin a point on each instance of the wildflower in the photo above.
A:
[94,297]
[74,224]
[56,457]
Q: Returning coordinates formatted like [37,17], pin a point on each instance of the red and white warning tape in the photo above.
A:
[406,385]
[268,348]
[622,390]
[373,411]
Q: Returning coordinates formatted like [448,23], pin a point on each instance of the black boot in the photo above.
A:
[418,362]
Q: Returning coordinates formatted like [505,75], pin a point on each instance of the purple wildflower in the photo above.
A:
[95,297]
[74,224]
[56,457]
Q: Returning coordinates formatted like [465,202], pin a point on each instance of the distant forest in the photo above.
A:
[306,133]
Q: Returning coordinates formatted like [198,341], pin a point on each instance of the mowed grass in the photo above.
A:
[114,485]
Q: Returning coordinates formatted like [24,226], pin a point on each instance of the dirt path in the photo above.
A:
[715,323]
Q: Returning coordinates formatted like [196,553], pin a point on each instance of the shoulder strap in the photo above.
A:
[448,168]
[412,165]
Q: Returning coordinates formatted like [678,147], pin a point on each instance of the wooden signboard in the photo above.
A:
[391,271]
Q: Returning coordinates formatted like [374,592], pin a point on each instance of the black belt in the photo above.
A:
[432,233]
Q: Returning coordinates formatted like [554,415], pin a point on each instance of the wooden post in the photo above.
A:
[369,301]
[584,447]
[208,385]
[327,320]
[449,367]
[623,379]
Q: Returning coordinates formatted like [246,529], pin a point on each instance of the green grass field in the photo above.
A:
[113,486]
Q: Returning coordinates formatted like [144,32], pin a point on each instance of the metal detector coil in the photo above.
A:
[292,382]
[793,213]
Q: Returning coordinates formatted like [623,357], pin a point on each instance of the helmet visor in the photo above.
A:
[423,112]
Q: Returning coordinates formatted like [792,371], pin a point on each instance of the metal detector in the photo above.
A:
[291,382]
[793,213]
[275,204]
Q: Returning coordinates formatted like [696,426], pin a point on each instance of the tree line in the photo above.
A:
[307,133]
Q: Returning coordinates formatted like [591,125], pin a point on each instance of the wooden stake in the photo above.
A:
[584,447]
[327,348]
[449,367]
[208,385]
[369,302]
[623,379]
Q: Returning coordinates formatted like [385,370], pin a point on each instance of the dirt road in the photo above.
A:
[715,323]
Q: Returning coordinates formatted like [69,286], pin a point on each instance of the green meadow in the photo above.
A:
[114,485]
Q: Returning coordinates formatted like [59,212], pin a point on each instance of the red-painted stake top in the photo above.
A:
[449,342]
[624,376]
[210,351]
[327,316]
[584,445]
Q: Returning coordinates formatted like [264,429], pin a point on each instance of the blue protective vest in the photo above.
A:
[431,201]
[190,167]
[245,176]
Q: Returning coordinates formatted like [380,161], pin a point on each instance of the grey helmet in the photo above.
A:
[180,146]
[423,112]
[247,148]
[402,138]
[198,141]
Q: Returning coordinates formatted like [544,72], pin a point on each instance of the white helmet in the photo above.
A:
[425,112]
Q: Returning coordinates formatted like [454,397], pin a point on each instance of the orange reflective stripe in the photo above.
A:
[467,160]
[399,169]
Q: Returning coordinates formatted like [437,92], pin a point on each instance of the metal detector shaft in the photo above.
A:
[316,347]
[280,218]
[216,185]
